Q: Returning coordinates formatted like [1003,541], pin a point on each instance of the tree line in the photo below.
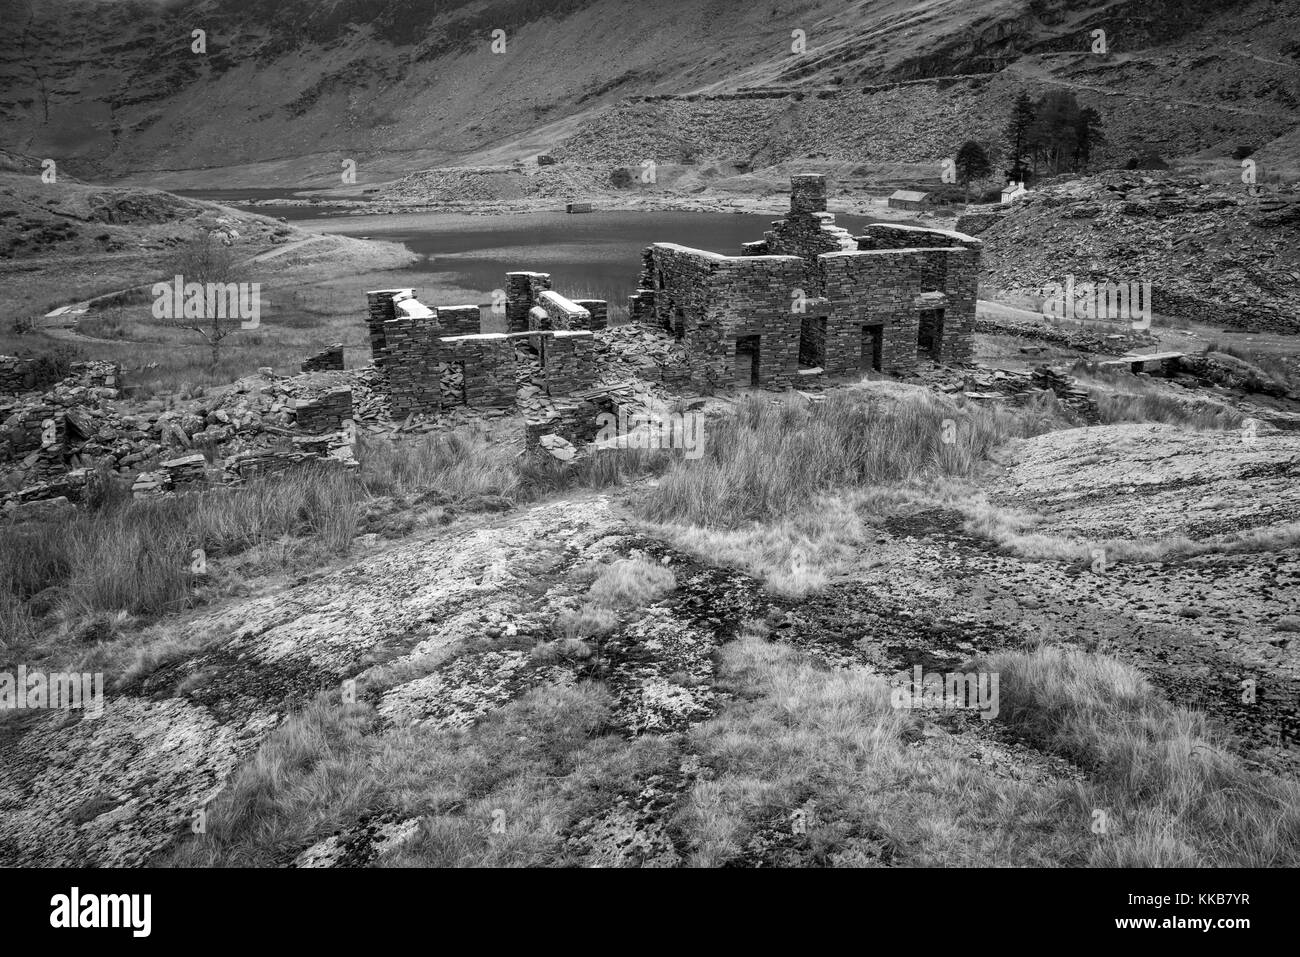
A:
[1053,134]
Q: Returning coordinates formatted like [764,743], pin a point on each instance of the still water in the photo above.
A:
[589,255]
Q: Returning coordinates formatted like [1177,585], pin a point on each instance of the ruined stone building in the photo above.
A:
[810,299]
[438,357]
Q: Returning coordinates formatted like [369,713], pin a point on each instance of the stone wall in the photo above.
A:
[327,360]
[681,298]
[740,321]
[185,472]
[756,296]
[23,374]
[522,290]
[26,432]
[563,313]
[574,420]
[379,310]
[807,230]
[568,361]
[961,289]
[413,365]
[870,290]
[20,374]
[324,413]
[976,220]
[459,320]
[807,193]
[711,301]
[488,364]
[641,307]
[597,311]
[97,374]
[408,307]
[898,236]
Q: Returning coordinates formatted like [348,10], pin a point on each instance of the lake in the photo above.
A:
[589,255]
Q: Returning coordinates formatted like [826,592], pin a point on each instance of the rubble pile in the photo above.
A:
[1211,252]
[1084,340]
[642,352]
[982,384]
[54,444]
[1067,392]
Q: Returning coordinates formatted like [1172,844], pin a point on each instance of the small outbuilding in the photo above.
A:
[909,199]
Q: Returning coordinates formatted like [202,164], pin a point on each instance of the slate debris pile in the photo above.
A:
[1067,392]
[1211,252]
[979,383]
[1101,340]
[641,352]
[54,445]
[51,442]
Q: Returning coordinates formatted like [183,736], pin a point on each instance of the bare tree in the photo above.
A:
[209,262]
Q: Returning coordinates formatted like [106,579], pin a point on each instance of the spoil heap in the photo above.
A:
[1211,253]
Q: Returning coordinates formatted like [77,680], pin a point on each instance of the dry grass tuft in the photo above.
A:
[1173,794]
[771,457]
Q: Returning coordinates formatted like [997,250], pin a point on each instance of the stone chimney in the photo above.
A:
[808,193]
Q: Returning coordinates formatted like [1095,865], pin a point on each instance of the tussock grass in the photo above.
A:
[1122,396]
[304,780]
[830,744]
[618,589]
[794,555]
[590,621]
[1154,407]
[133,557]
[631,583]
[771,457]
[796,737]
[136,556]
[791,491]
[1173,794]
[458,465]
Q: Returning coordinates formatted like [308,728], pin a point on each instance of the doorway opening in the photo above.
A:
[747,354]
[812,342]
[930,337]
[872,340]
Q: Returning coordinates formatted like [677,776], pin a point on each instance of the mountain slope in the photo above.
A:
[288,90]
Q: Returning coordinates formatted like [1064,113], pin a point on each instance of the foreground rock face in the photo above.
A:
[115,790]
[456,617]
[1211,613]
[1143,482]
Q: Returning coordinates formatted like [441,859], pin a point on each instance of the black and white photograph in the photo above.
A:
[778,435]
